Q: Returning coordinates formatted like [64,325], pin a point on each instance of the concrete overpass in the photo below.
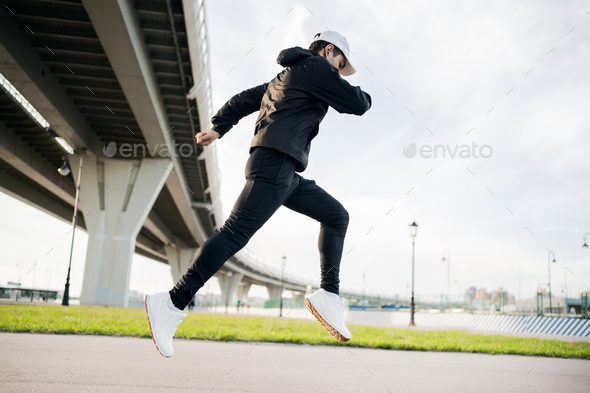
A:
[127,85]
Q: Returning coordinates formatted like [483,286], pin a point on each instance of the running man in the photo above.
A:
[291,106]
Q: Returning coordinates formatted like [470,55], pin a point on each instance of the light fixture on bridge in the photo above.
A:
[585,245]
[65,145]
[33,113]
[23,102]
[64,170]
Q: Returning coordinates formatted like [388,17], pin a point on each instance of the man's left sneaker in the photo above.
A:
[328,308]
[163,318]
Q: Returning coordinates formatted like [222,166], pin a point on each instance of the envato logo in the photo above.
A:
[143,150]
[462,151]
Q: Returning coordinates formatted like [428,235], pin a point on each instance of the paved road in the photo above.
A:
[77,363]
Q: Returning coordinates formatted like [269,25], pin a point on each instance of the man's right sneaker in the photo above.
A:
[328,308]
[163,318]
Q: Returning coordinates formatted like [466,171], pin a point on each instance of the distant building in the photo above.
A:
[482,296]
[497,293]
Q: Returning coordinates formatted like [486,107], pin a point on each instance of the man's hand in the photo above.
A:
[205,138]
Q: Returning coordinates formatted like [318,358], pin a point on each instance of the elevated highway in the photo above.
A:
[126,84]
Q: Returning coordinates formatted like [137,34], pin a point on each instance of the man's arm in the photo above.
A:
[239,106]
[327,84]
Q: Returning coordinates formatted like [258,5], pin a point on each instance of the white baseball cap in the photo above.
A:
[339,41]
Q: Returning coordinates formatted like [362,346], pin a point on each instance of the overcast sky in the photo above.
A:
[509,75]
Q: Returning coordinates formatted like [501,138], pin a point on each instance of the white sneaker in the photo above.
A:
[328,308]
[163,318]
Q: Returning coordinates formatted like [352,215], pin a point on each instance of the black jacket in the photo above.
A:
[293,104]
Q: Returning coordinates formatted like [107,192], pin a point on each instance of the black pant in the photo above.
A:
[271,181]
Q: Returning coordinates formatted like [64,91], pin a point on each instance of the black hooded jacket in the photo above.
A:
[293,104]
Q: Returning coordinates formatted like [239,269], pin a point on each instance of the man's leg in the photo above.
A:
[262,195]
[313,201]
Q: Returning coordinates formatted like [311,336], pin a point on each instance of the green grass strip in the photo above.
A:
[116,321]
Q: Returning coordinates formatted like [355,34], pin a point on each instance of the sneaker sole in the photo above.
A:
[329,328]
[147,311]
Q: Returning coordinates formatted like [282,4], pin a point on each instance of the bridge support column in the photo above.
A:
[229,284]
[179,258]
[116,196]
[274,292]
[298,300]
[243,290]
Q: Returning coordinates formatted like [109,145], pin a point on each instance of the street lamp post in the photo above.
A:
[564,290]
[448,259]
[20,263]
[34,273]
[364,287]
[34,276]
[540,303]
[48,286]
[64,171]
[282,286]
[549,269]
[227,286]
[20,283]
[585,245]
[413,230]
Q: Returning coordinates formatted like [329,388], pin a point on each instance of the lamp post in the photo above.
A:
[34,273]
[227,286]
[549,269]
[413,230]
[448,259]
[282,286]
[34,276]
[64,171]
[564,290]
[20,263]
[20,284]
[364,287]
[540,304]
[48,286]
[585,245]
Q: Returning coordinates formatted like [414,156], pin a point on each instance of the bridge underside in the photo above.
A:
[103,72]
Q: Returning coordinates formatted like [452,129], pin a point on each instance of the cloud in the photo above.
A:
[295,34]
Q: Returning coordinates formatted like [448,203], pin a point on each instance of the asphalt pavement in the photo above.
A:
[89,363]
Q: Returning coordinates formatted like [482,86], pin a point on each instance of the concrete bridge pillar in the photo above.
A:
[229,284]
[243,290]
[179,258]
[298,298]
[116,196]
[274,292]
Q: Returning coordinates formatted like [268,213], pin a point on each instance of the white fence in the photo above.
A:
[558,326]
